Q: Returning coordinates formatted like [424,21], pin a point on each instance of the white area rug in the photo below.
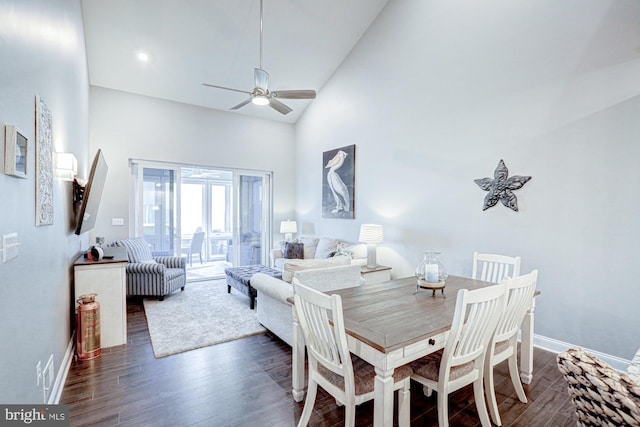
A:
[210,270]
[203,315]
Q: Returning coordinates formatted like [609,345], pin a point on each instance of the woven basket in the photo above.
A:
[602,396]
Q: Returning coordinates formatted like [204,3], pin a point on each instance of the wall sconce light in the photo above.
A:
[288,227]
[65,166]
[371,234]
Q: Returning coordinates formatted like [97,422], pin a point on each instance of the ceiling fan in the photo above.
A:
[261,95]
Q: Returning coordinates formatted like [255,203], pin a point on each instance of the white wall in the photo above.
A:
[129,126]
[43,53]
[437,92]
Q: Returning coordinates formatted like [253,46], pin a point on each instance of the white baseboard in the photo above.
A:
[556,346]
[61,378]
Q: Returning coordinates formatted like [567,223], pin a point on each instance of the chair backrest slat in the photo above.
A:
[322,323]
[494,268]
[475,318]
[520,291]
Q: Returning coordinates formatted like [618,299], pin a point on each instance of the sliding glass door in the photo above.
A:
[206,207]
[253,218]
[220,226]
[174,205]
[155,214]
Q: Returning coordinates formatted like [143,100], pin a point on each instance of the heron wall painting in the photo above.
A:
[338,182]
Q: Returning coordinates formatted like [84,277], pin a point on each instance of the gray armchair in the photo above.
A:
[152,276]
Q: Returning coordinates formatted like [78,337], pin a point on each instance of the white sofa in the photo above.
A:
[275,312]
[323,248]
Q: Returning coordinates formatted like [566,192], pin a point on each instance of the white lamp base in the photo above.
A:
[371,255]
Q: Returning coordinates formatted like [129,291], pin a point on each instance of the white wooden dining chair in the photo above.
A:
[461,362]
[494,268]
[504,344]
[349,379]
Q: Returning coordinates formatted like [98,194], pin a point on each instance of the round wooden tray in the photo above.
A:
[427,285]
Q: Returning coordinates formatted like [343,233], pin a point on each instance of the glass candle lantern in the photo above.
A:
[431,273]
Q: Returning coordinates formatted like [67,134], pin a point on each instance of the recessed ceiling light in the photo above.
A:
[143,56]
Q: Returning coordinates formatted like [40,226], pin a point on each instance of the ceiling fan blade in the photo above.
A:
[279,106]
[227,88]
[242,104]
[261,78]
[294,94]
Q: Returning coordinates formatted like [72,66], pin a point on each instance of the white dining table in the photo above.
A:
[389,325]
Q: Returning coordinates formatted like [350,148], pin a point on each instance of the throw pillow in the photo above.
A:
[326,248]
[341,248]
[358,250]
[293,250]
[138,249]
[283,246]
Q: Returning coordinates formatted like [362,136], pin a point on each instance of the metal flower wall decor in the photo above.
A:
[501,187]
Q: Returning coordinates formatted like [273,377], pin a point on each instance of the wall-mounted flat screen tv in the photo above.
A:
[86,216]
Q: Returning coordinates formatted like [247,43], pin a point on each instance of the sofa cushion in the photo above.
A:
[310,244]
[326,248]
[293,250]
[290,267]
[138,249]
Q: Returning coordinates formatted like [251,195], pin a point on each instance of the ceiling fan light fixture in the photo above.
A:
[260,100]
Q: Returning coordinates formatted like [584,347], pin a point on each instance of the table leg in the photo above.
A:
[383,395]
[297,363]
[526,346]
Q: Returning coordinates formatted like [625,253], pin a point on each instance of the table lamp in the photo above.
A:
[287,227]
[371,234]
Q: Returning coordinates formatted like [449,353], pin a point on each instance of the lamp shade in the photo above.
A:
[288,227]
[371,233]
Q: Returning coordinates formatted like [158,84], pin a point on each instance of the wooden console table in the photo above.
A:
[106,278]
[377,274]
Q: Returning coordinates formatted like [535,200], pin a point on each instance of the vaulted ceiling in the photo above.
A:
[190,42]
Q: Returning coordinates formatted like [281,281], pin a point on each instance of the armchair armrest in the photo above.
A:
[274,255]
[272,287]
[145,268]
[172,261]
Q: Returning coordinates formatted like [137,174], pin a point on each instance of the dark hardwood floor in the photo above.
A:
[247,382]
